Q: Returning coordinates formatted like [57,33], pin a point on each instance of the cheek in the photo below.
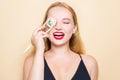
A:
[69,29]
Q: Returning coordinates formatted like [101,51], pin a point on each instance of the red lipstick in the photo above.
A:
[58,35]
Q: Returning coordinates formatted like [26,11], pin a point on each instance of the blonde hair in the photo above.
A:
[75,43]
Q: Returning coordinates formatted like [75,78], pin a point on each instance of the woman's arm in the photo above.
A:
[33,68]
[27,66]
[34,65]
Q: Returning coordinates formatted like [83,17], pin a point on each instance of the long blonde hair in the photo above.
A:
[75,43]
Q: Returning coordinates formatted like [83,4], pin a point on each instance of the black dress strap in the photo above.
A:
[81,73]
[80,56]
[47,72]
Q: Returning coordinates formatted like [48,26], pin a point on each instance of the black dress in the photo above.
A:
[80,74]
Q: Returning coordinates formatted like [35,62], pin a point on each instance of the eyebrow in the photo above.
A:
[66,19]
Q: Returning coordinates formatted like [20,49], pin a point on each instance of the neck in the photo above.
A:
[60,50]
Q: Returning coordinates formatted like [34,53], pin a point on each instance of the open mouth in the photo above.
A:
[58,35]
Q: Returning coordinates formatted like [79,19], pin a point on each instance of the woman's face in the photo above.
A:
[64,28]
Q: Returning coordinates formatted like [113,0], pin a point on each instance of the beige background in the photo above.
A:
[99,25]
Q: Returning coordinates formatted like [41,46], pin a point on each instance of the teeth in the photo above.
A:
[58,34]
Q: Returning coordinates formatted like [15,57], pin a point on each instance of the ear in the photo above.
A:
[75,28]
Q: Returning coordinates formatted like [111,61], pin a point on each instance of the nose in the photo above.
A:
[58,26]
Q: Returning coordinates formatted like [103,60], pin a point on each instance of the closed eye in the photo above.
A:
[66,22]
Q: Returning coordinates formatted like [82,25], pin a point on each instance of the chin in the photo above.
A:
[60,43]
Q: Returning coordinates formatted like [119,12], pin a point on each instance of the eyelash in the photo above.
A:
[66,22]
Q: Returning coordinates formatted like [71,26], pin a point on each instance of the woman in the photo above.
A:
[59,54]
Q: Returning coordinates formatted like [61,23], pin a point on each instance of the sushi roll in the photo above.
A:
[50,23]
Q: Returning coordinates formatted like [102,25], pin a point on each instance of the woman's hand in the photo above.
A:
[37,38]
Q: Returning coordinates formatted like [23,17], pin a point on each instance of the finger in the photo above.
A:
[36,31]
[45,34]
[42,34]
[36,36]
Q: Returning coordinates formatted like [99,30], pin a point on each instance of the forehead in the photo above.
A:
[58,12]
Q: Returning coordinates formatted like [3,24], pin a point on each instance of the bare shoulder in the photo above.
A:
[28,61]
[29,58]
[27,66]
[89,60]
[91,65]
